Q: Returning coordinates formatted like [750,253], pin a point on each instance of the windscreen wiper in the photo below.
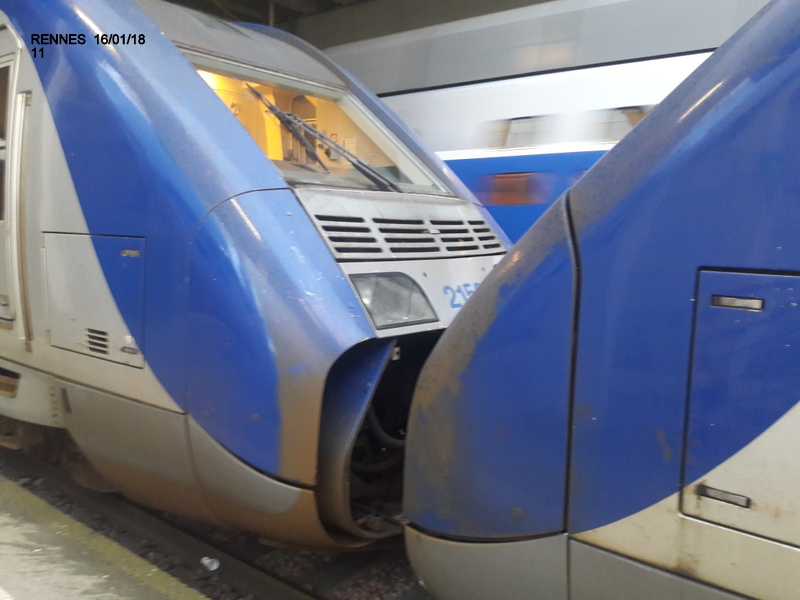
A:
[297,127]
[292,123]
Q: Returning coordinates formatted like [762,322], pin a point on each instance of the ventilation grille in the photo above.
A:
[97,341]
[363,238]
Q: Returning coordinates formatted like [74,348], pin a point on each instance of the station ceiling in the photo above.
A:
[326,23]
[270,12]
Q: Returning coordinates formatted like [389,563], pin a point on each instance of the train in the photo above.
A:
[520,143]
[234,287]
[613,415]
[222,264]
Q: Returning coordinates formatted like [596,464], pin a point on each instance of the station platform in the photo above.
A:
[47,554]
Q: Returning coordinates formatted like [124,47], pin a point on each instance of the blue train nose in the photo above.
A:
[486,448]
[487,440]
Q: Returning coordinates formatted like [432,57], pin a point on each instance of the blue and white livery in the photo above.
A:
[519,143]
[613,415]
[222,265]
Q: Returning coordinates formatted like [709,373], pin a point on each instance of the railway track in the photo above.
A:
[221,564]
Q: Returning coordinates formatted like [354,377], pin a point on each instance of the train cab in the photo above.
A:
[222,265]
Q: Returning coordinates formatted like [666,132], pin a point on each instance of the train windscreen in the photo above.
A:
[318,135]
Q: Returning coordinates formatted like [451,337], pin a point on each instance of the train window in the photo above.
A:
[319,135]
[493,134]
[509,189]
[617,122]
[5,72]
[524,132]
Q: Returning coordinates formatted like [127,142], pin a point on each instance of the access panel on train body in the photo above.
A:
[745,376]
[77,320]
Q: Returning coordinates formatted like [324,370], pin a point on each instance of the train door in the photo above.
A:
[10,130]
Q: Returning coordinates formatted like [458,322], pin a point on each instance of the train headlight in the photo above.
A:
[393,299]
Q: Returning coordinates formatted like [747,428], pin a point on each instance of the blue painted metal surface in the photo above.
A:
[121,121]
[151,151]
[708,180]
[745,364]
[564,168]
[350,387]
[486,450]
[241,291]
[126,257]
[245,310]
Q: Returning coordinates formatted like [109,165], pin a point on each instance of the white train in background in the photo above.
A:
[521,103]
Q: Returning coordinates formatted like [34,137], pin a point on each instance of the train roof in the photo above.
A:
[544,37]
[250,44]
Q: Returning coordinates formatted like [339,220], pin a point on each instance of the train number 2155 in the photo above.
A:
[459,294]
